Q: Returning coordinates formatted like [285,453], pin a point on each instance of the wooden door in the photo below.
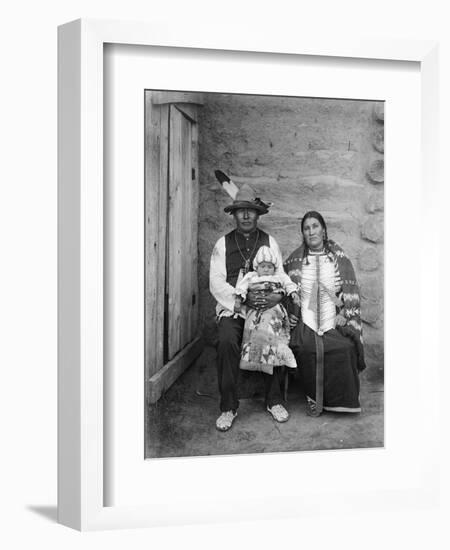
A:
[171,310]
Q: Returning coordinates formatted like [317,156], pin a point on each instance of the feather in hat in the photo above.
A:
[232,189]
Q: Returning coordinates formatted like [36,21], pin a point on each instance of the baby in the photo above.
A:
[265,342]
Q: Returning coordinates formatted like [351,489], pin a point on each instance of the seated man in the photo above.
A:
[231,259]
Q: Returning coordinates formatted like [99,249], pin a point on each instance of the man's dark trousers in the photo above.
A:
[228,356]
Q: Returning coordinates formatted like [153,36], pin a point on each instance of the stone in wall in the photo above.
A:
[378,140]
[375,201]
[368,259]
[373,352]
[378,111]
[372,229]
[371,314]
[376,171]
[374,358]
[371,286]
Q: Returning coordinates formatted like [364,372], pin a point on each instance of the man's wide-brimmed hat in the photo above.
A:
[246,198]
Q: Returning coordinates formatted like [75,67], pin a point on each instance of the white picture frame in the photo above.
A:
[81,480]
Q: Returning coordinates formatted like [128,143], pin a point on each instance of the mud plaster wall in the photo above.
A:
[300,154]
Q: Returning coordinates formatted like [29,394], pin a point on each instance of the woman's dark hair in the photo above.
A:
[319,218]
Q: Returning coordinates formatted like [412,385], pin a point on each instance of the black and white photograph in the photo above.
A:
[264,274]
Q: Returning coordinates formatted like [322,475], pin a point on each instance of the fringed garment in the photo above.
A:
[265,343]
[329,359]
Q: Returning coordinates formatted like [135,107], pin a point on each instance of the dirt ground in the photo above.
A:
[182,423]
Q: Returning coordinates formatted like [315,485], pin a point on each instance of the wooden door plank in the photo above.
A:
[162,232]
[165,377]
[175,233]
[186,216]
[152,156]
[194,231]
[189,240]
[156,160]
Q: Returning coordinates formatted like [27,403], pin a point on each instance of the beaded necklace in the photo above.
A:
[246,260]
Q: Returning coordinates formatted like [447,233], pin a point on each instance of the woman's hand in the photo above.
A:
[340,320]
[256,300]
[293,321]
[296,299]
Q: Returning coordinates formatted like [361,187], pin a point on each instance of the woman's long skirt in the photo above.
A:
[341,380]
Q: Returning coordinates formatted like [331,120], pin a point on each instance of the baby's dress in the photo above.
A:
[265,342]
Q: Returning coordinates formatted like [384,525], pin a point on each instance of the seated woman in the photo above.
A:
[327,334]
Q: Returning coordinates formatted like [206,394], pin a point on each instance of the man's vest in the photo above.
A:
[238,249]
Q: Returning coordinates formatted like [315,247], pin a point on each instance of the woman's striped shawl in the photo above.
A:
[350,288]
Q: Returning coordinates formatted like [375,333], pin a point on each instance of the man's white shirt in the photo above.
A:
[222,291]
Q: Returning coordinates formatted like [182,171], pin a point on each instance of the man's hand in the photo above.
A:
[256,300]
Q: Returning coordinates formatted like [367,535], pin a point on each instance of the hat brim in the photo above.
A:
[246,204]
